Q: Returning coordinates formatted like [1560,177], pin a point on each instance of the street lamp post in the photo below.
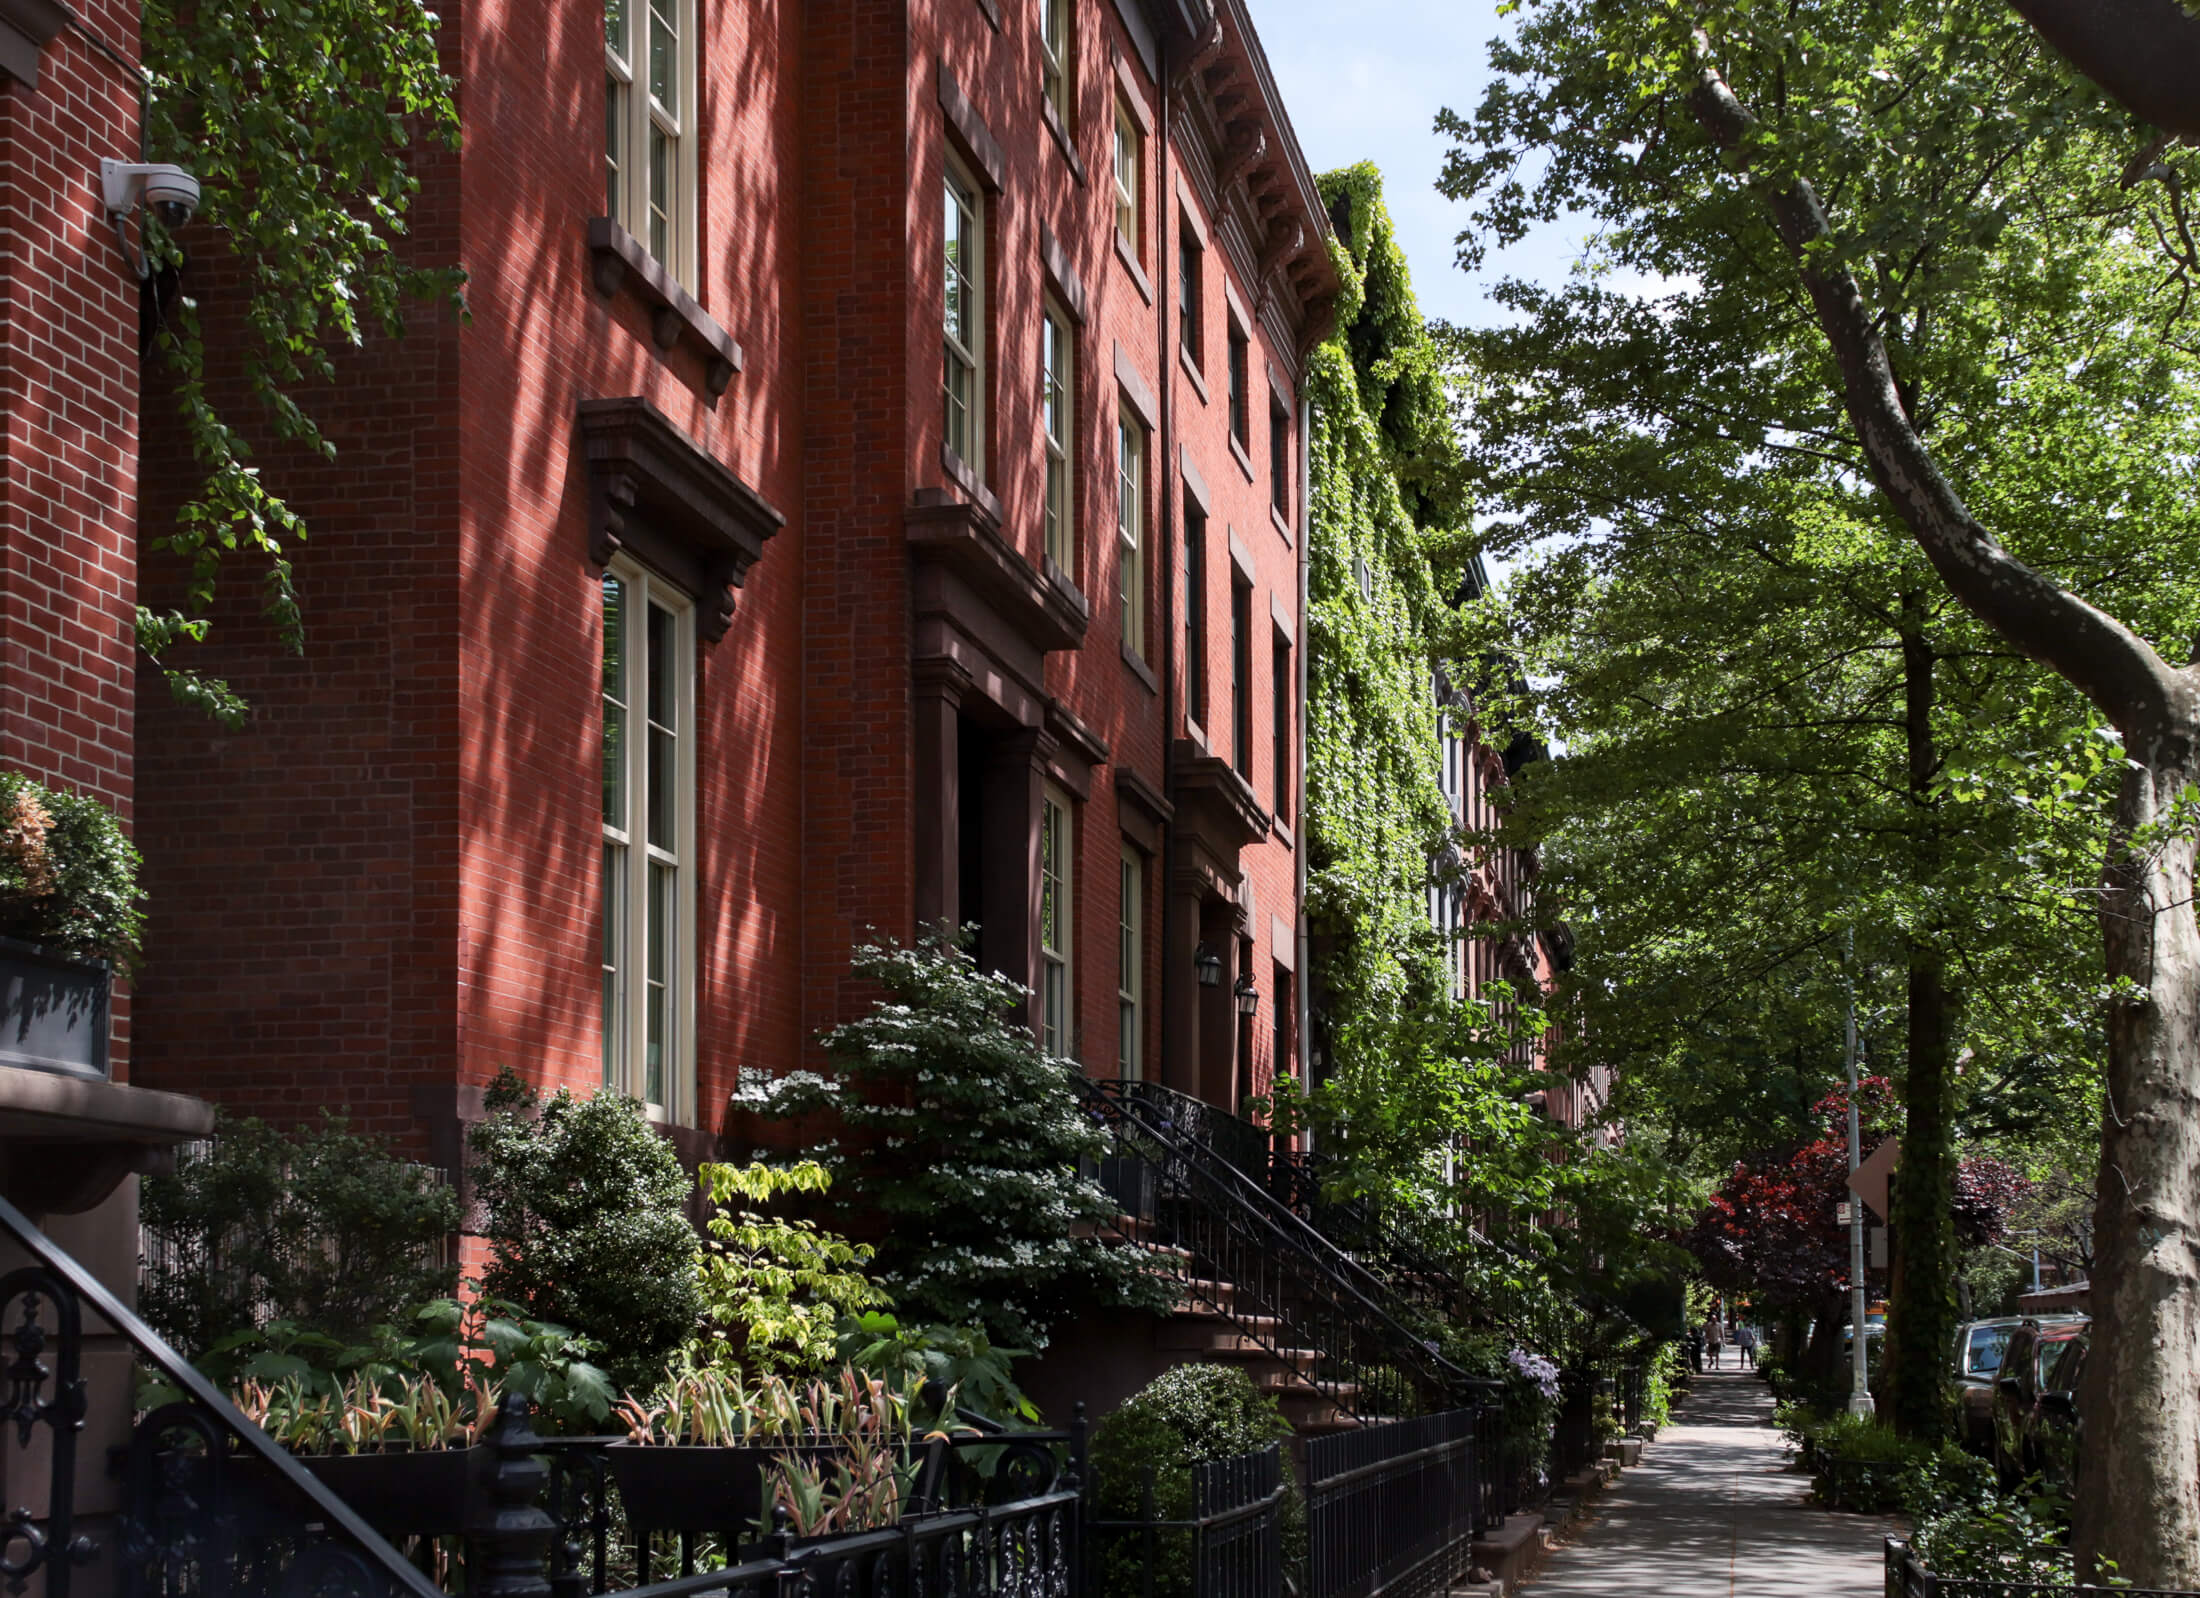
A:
[1860,1393]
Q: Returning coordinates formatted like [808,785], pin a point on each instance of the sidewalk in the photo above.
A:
[1711,1512]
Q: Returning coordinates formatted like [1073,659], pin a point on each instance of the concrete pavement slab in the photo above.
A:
[1713,1512]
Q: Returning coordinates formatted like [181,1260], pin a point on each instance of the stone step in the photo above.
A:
[1197,1294]
[1246,1337]
[1509,1552]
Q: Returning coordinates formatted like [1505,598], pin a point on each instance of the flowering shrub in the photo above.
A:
[967,1141]
[68,874]
[1536,1371]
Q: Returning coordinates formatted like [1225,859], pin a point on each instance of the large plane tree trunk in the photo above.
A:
[2139,1477]
[2140,1470]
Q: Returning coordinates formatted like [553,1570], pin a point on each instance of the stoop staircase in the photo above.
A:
[1256,1283]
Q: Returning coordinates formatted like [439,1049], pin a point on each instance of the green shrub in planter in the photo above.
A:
[585,1209]
[319,1228]
[68,874]
[1188,1416]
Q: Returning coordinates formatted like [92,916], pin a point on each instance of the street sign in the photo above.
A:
[1869,1180]
[1844,1213]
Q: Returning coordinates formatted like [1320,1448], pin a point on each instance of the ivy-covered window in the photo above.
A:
[1056,879]
[648,820]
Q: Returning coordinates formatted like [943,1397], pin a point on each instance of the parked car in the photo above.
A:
[2034,1347]
[1977,1359]
[2058,1430]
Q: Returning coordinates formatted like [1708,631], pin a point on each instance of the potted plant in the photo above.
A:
[706,1454]
[403,1451]
[68,916]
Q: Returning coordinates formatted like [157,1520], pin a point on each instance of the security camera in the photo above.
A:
[172,192]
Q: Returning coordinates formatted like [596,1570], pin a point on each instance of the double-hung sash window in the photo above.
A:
[1056,877]
[1283,690]
[1240,353]
[1241,678]
[1195,611]
[1057,388]
[1054,78]
[963,352]
[1130,518]
[1130,968]
[649,153]
[648,829]
[1128,160]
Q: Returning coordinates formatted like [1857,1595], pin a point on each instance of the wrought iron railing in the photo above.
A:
[1391,1510]
[1228,1545]
[200,1503]
[1907,1577]
[1237,1251]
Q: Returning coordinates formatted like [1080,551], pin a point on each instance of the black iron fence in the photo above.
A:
[1391,1510]
[1907,1577]
[1227,1543]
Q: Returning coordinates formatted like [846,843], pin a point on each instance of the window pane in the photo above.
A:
[664,751]
[664,54]
[614,27]
[614,942]
[663,933]
[615,695]
[661,158]
[614,142]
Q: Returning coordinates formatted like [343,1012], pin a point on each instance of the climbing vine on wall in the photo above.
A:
[1405,1065]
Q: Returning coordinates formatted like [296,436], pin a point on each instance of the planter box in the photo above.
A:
[399,1492]
[683,1487]
[53,1011]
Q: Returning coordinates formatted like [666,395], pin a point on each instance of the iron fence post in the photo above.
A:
[513,1534]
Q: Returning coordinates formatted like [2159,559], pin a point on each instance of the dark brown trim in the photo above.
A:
[968,483]
[1143,794]
[1188,209]
[26,27]
[1062,277]
[971,132]
[992,10]
[964,536]
[1135,390]
[1075,736]
[656,494]
[676,317]
[1134,93]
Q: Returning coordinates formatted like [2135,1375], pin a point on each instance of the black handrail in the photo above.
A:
[204,1412]
[1298,1279]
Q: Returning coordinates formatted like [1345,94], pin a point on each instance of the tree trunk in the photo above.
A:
[2139,1481]
[1922,1262]
[2139,1476]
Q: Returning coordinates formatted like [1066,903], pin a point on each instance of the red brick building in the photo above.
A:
[868,493]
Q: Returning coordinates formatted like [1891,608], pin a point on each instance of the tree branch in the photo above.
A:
[2107,662]
[2145,54]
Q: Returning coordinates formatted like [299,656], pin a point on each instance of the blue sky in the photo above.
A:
[1363,80]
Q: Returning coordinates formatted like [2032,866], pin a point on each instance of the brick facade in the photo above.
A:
[390,885]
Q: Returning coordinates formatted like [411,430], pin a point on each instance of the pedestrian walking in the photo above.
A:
[1695,1350]
[1713,1343]
[1745,1339]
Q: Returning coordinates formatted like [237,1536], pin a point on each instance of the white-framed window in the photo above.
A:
[648,839]
[1131,968]
[1130,527]
[1057,876]
[649,154]
[1054,60]
[1057,400]
[963,347]
[1130,158]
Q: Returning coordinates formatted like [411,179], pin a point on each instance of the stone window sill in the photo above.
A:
[675,317]
[1139,280]
[1199,384]
[1245,461]
[1139,668]
[1062,140]
[1282,524]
